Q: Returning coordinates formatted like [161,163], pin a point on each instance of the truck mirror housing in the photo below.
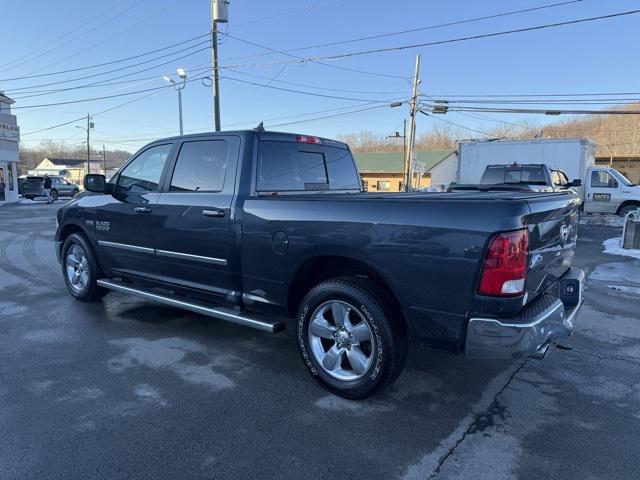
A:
[576,182]
[96,183]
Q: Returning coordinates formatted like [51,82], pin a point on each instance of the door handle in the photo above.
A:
[217,213]
[142,210]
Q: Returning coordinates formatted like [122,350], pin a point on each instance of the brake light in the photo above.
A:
[307,139]
[505,265]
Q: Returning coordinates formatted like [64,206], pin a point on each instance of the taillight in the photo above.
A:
[505,265]
[308,139]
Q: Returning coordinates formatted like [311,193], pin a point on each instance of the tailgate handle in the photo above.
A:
[142,210]
[217,213]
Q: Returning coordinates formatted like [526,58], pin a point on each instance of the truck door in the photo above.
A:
[124,223]
[603,192]
[194,215]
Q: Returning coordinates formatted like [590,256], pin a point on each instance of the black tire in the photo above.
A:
[91,291]
[74,193]
[29,197]
[54,195]
[387,349]
[628,208]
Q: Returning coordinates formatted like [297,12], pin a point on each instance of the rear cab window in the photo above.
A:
[287,166]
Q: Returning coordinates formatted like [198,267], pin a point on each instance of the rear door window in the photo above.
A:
[291,167]
[201,167]
[286,167]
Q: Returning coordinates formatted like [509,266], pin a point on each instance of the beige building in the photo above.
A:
[73,169]
[629,165]
[382,171]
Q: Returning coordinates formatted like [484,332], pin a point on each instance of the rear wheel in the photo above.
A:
[53,195]
[348,339]
[80,269]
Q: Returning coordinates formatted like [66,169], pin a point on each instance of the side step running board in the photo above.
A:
[220,313]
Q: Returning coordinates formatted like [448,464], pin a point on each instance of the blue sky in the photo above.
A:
[594,57]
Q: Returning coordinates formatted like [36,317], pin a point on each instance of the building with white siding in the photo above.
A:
[9,138]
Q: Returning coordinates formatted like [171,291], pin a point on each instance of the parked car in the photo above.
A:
[603,189]
[264,229]
[33,187]
[531,177]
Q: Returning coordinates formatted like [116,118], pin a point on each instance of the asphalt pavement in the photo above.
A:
[124,388]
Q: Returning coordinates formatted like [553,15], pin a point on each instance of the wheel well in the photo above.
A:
[69,229]
[323,268]
[627,202]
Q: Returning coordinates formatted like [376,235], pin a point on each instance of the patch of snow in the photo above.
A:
[625,289]
[601,220]
[613,246]
[617,272]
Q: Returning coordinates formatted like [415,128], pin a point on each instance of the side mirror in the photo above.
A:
[576,183]
[95,183]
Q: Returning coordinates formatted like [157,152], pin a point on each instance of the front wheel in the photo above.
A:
[75,192]
[624,211]
[348,339]
[80,269]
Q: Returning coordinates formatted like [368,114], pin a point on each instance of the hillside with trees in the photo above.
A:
[613,134]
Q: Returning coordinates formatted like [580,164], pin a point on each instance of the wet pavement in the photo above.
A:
[126,389]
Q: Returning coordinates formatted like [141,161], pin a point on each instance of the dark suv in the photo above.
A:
[34,186]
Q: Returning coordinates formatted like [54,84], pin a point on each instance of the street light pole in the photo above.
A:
[179,87]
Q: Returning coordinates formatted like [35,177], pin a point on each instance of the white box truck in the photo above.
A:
[604,189]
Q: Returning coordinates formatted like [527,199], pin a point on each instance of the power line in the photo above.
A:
[548,111]
[455,124]
[413,30]
[120,60]
[46,52]
[306,93]
[317,88]
[532,95]
[444,42]
[124,68]
[377,74]
[49,44]
[68,102]
[120,32]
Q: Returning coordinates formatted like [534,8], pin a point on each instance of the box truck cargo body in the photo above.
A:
[571,155]
[603,189]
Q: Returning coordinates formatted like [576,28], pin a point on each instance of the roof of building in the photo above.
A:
[5,99]
[392,162]
[68,162]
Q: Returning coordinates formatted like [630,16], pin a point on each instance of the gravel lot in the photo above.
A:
[127,389]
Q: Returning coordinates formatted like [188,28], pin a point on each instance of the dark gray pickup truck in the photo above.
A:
[258,227]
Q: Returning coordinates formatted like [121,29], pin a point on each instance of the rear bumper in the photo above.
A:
[543,321]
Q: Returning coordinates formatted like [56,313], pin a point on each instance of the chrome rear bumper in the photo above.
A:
[543,321]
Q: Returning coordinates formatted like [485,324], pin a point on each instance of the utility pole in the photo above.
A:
[104,160]
[88,147]
[408,169]
[219,14]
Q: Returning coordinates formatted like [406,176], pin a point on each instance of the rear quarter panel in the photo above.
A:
[428,251]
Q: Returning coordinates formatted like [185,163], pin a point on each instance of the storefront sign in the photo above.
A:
[9,132]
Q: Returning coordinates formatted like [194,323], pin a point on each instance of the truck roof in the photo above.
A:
[530,140]
[263,135]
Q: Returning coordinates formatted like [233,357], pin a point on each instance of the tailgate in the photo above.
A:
[553,231]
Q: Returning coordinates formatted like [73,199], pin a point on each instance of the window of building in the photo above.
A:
[384,186]
[10,176]
[602,179]
[201,167]
[144,172]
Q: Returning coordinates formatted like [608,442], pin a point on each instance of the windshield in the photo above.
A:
[620,176]
[527,174]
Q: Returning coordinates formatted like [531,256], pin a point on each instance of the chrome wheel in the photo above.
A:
[341,340]
[77,268]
